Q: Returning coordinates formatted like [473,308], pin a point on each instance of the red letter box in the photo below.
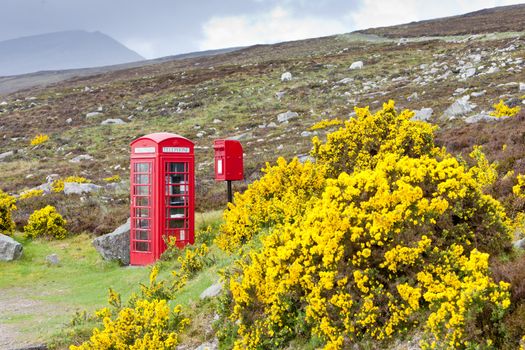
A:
[228,160]
[162,195]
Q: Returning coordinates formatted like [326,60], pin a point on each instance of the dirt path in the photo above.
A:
[17,312]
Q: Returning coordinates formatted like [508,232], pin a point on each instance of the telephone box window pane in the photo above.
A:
[142,246]
[175,223]
[142,179]
[182,235]
[178,201]
[175,212]
[176,179]
[142,223]
[142,190]
[141,212]
[142,202]
[142,167]
[174,190]
[142,235]
[175,167]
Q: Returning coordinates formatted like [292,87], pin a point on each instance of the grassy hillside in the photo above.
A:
[240,94]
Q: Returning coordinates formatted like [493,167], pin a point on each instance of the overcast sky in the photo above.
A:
[156,28]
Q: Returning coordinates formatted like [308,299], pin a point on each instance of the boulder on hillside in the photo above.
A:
[9,248]
[79,188]
[212,291]
[459,107]
[356,65]
[519,244]
[286,76]
[115,245]
[423,114]
[286,116]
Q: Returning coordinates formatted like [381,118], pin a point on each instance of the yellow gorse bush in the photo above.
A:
[519,188]
[58,185]
[39,139]
[7,206]
[146,325]
[114,178]
[47,223]
[395,233]
[502,110]
[31,193]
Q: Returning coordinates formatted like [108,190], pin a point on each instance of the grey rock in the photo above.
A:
[413,97]
[484,116]
[286,76]
[468,72]
[244,136]
[9,248]
[280,94]
[345,81]
[217,121]
[356,65]
[287,116]
[492,70]
[478,93]
[519,244]
[52,259]
[79,188]
[80,158]
[271,125]
[522,87]
[212,291]
[424,114]
[115,245]
[303,158]
[3,103]
[459,107]
[93,114]
[69,120]
[4,155]
[306,133]
[213,345]
[116,121]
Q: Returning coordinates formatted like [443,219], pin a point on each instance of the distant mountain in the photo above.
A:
[62,50]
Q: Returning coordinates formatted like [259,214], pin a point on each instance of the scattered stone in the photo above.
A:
[424,114]
[3,103]
[478,93]
[217,121]
[357,65]
[9,248]
[4,155]
[80,158]
[286,116]
[459,107]
[213,345]
[212,291]
[303,158]
[200,134]
[243,136]
[413,97]
[115,121]
[93,114]
[69,120]
[345,81]
[492,70]
[115,245]
[79,188]
[306,133]
[519,244]
[467,73]
[286,76]
[280,94]
[271,125]
[52,259]
[522,87]
[483,116]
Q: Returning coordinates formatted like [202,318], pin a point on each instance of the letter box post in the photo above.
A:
[162,181]
[228,163]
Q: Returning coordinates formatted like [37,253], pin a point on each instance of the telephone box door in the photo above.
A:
[142,212]
[178,201]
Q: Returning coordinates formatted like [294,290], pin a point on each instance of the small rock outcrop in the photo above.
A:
[459,107]
[212,291]
[80,158]
[424,114]
[79,188]
[286,76]
[116,121]
[519,244]
[286,116]
[356,65]
[52,259]
[115,245]
[482,117]
[9,248]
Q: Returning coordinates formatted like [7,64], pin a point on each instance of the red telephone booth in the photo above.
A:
[162,195]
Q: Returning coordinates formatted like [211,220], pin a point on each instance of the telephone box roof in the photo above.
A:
[158,137]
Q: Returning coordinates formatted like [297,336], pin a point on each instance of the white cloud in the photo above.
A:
[374,13]
[277,26]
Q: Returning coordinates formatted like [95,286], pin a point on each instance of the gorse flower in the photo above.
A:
[7,206]
[39,139]
[391,231]
[502,110]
